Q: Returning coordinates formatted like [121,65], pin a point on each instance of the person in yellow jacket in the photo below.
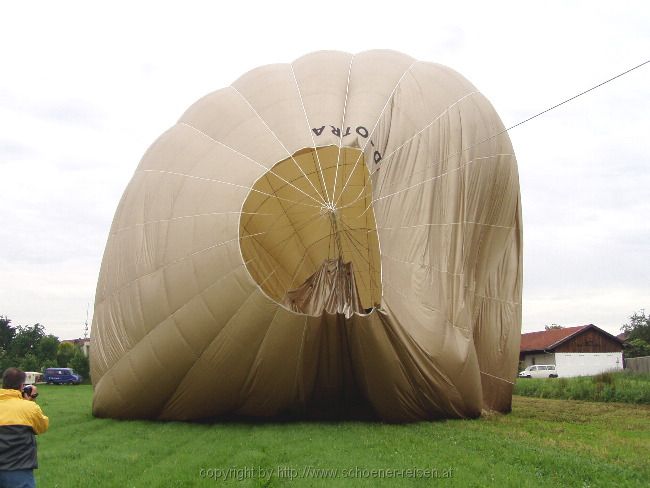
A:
[20,419]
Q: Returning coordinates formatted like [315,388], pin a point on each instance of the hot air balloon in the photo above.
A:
[338,233]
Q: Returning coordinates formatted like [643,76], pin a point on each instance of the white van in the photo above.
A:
[33,377]
[539,371]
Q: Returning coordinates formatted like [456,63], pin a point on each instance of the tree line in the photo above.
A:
[30,348]
[637,331]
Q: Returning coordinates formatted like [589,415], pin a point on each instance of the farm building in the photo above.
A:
[576,351]
[82,344]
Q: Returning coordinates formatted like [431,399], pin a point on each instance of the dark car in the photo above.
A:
[62,376]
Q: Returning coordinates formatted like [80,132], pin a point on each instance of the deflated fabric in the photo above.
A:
[337,232]
[331,289]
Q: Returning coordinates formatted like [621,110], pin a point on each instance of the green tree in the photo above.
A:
[64,353]
[47,350]
[637,348]
[638,335]
[80,364]
[30,362]
[7,333]
[638,327]
[6,361]
[26,340]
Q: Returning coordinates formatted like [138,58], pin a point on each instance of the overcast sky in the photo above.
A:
[86,87]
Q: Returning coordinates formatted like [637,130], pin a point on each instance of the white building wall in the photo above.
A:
[587,363]
[540,358]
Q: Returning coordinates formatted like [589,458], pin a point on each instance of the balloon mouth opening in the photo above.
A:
[308,235]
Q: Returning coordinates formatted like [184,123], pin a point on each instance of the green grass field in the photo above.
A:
[624,386]
[542,442]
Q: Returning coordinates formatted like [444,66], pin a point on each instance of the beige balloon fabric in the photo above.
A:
[337,235]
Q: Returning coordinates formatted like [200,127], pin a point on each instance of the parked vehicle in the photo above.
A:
[33,377]
[62,376]
[539,371]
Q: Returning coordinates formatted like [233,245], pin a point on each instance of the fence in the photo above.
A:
[638,365]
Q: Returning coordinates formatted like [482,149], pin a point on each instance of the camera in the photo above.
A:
[27,391]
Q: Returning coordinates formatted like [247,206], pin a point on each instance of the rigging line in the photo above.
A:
[438,117]
[345,105]
[295,275]
[371,222]
[182,385]
[433,178]
[358,197]
[301,225]
[313,142]
[441,175]
[371,269]
[286,239]
[388,160]
[329,248]
[170,263]
[370,277]
[422,265]
[281,228]
[572,98]
[545,111]
[446,224]
[293,224]
[266,168]
[279,141]
[352,229]
[392,93]
[293,211]
[181,307]
[351,238]
[537,115]
[334,230]
[495,377]
[374,271]
[308,172]
[266,279]
[180,217]
[433,165]
[226,183]
[411,298]
[295,217]
[291,208]
[272,261]
[507,302]
[550,108]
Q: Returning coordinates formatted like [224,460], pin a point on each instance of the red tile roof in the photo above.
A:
[546,339]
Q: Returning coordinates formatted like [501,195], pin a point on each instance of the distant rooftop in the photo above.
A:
[550,339]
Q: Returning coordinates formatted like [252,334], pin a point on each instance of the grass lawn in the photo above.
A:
[543,442]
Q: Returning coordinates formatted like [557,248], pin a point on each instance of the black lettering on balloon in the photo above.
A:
[347,131]
[336,131]
[318,131]
[377,157]
[362,131]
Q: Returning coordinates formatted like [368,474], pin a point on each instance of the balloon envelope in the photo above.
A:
[338,233]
